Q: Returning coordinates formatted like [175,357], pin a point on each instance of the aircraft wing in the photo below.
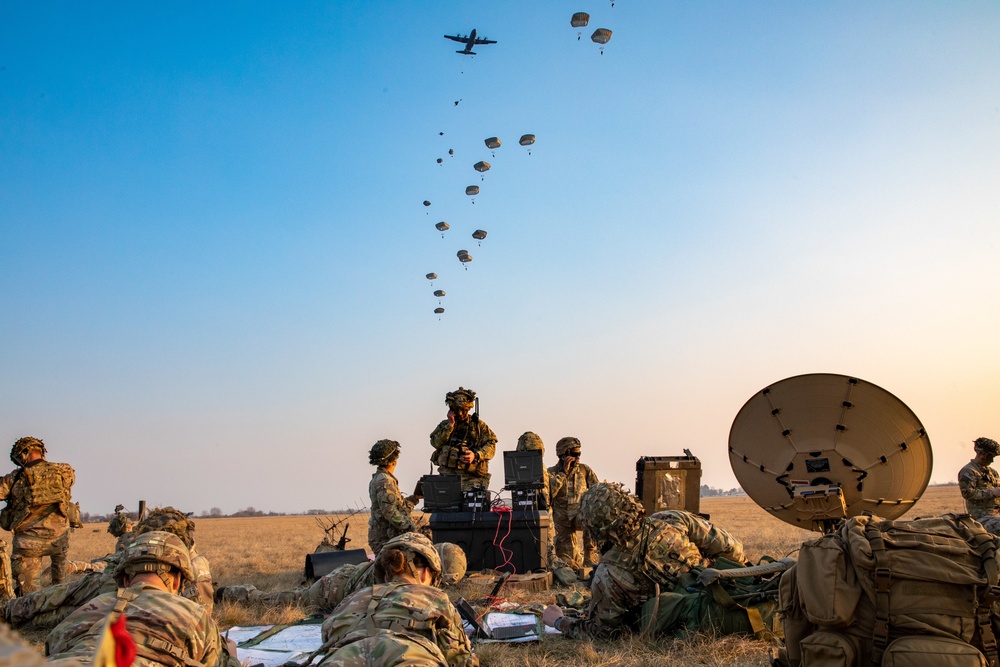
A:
[456,38]
[486,41]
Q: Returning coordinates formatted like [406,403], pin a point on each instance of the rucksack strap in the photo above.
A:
[726,601]
[883,582]
[984,544]
[160,647]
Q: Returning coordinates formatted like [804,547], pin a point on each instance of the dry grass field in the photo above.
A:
[270,554]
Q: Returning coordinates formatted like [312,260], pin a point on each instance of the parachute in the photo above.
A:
[601,36]
[482,167]
[472,191]
[493,144]
[451,151]
[440,160]
[527,140]
[579,20]
[442,227]
[431,276]
[464,257]
[426,203]
[438,311]
[439,293]
[479,235]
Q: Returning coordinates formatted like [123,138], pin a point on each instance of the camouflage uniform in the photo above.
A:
[38,495]
[470,434]
[532,442]
[529,442]
[565,491]
[168,630]
[648,557]
[49,606]
[976,482]
[397,624]
[15,651]
[330,590]
[121,523]
[390,512]
[152,617]
[324,595]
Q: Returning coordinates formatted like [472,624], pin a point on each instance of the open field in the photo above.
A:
[269,552]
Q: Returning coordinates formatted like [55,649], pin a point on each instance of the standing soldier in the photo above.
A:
[568,480]
[38,510]
[390,512]
[980,484]
[463,444]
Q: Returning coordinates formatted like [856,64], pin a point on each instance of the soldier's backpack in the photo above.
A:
[39,484]
[893,593]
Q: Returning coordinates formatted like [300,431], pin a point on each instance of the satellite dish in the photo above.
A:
[815,449]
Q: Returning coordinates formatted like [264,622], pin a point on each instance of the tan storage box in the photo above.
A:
[669,483]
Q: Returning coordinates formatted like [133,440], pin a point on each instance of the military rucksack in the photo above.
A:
[893,593]
[36,485]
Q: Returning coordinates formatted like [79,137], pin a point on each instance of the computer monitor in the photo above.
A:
[442,493]
[522,469]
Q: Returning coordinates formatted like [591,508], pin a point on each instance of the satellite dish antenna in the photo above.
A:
[814,449]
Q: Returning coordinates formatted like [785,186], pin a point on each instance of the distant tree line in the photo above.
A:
[87,517]
[709,491]
[217,512]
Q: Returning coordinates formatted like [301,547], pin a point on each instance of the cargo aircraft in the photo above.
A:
[469,42]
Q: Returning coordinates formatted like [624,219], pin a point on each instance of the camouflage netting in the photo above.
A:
[415,543]
[453,563]
[987,445]
[567,445]
[610,513]
[23,446]
[530,442]
[169,520]
[383,452]
[460,398]
[155,551]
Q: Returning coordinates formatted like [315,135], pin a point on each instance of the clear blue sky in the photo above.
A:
[214,245]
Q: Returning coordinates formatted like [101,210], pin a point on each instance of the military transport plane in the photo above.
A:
[469,42]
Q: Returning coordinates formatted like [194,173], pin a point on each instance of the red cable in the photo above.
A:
[503,552]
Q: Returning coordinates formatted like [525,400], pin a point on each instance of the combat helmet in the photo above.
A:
[415,543]
[22,447]
[383,452]
[155,551]
[453,562]
[567,445]
[610,513]
[170,520]
[530,442]
[460,398]
[987,446]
